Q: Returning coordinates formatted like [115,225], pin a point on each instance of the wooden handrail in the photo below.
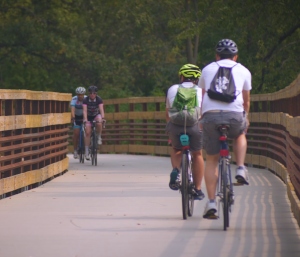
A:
[34,135]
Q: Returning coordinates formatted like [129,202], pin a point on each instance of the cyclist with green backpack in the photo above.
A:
[183,111]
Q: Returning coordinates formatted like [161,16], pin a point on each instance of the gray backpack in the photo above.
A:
[222,87]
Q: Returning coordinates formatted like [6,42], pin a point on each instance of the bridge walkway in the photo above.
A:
[123,207]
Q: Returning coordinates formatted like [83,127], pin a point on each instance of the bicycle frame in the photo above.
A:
[81,145]
[94,143]
[225,187]
[187,185]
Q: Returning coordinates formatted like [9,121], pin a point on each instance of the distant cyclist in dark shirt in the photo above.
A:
[92,110]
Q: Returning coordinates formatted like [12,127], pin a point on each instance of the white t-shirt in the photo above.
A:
[242,80]
[173,91]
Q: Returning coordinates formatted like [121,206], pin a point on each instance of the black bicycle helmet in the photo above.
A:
[93,89]
[226,46]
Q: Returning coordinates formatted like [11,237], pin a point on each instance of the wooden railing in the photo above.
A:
[34,130]
[137,126]
[274,137]
[34,136]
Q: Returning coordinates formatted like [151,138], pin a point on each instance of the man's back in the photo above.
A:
[242,79]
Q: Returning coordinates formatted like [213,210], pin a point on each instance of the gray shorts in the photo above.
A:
[236,120]
[194,132]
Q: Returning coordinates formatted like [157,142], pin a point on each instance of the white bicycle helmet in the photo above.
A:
[80,91]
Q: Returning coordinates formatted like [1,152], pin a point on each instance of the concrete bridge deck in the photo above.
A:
[123,207]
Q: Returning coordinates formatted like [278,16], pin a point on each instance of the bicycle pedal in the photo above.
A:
[238,184]
[213,217]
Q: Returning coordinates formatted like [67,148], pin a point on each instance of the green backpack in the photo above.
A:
[185,109]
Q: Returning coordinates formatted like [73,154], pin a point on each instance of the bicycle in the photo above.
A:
[80,147]
[94,142]
[186,186]
[225,186]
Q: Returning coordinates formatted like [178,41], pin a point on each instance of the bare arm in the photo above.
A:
[167,115]
[246,97]
[72,112]
[203,93]
[84,107]
[101,109]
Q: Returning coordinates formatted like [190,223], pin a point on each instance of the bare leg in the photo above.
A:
[211,175]
[99,126]
[176,158]
[240,149]
[198,168]
[87,138]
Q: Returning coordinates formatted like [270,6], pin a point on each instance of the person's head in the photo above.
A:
[189,73]
[80,91]
[93,91]
[226,49]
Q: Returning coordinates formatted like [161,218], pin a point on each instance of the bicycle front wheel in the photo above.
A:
[184,185]
[191,188]
[95,149]
[81,147]
[225,191]
[92,148]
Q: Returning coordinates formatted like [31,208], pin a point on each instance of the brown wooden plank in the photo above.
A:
[35,160]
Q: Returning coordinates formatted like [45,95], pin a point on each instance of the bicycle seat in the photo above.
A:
[223,128]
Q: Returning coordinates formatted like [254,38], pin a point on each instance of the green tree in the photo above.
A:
[135,47]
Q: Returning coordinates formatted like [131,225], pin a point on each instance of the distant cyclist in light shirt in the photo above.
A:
[77,116]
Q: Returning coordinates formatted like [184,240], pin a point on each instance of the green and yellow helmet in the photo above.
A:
[190,71]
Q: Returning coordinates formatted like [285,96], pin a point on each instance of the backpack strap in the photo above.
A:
[227,67]
[194,86]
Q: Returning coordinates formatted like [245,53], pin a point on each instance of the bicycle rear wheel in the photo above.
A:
[191,188]
[184,186]
[225,191]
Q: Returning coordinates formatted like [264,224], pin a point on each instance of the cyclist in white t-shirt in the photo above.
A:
[215,112]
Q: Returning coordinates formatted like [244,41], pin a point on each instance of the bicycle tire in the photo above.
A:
[225,192]
[81,147]
[184,186]
[191,188]
[95,149]
[92,148]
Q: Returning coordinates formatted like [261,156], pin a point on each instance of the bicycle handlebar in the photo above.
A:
[95,121]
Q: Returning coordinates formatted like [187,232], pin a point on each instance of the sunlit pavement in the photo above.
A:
[124,207]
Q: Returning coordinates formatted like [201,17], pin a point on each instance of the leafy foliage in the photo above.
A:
[135,48]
